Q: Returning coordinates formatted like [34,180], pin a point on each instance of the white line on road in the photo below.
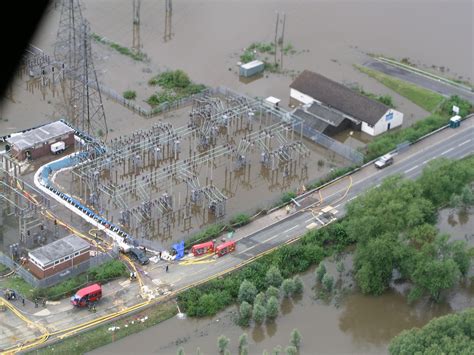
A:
[447,151]
[258,244]
[309,220]
[291,228]
[460,144]
[407,171]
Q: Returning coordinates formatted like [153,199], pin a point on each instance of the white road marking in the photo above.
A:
[407,171]
[311,225]
[256,245]
[309,220]
[460,144]
[447,151]
[291,228]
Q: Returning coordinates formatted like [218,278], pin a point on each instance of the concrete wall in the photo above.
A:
[299,96]
[392,117]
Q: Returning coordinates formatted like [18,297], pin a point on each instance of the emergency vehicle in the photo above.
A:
[87,295]
[225,248]
[203,248]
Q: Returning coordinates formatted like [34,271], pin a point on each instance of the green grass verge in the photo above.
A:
[100,336]
[424,98]
[18,284]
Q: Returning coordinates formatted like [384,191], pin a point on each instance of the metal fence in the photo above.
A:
[339,148]
[59,277]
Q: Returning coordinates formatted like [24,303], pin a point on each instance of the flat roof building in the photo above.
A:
[58,256]
[37,142]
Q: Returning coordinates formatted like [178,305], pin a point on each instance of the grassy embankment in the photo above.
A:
[138,56]
[439,107]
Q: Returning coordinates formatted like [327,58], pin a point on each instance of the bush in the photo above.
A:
[130,95]
[298,284]
[320,272]
[247,291]
[245,312]
[273,277]
[291,350]
[465,107]
[272,308]
[259,313]
[287,196]
[273,291]
[288,287]
[260,299]
[295,338]
[240,220]
[222,343]
[243,341]
[328,282]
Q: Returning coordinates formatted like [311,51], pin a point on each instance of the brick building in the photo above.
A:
[58,256]
[37,142]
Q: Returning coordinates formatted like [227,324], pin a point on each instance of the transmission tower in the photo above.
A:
[81,89]
[168,15]
[136,25]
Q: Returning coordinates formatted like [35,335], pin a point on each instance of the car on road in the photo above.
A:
[384,161]
[139,256]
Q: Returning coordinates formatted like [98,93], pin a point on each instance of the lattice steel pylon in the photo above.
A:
[81,88]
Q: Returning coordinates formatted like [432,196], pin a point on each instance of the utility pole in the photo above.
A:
[136,25]
[168,16]
[276,36]
[282,41]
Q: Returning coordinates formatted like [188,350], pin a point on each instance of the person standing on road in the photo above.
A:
[167,267]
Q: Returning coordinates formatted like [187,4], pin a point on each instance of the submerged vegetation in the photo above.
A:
[138,56]
[175,85]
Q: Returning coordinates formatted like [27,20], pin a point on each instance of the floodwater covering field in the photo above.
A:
[354,323]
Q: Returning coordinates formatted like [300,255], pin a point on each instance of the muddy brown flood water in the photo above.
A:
[361,324]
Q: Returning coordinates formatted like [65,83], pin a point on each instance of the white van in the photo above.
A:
[384,161]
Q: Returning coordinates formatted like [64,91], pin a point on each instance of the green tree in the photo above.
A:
[299,285]
[277,350]
[450,334]
[340,267]
[198,351]
[434,276]
[259,313]
[295,338]
[291,350]
[130,94]
[272,308]
[245,312]
[243,341]
[222,343]
[247,291]
[260,299]
[273,277]
[244,350]
[374,264]
[320,272]
[461,257]
[273,291]
[467,196]
[288,287]
[328,282]
[180,351]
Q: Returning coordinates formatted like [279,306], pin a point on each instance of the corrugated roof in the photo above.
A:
[58,249]
[311,120]
[343,99]
[334,118]
[38,135]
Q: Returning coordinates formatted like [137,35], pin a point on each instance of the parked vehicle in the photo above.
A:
[87,296]
[384,161]
[203,248]
[58,147]
[225,248]
[139,256]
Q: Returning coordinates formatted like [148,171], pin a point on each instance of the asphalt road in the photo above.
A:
[420,80]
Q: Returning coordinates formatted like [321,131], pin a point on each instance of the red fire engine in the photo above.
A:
[87,295]
[225,248]
[203,248]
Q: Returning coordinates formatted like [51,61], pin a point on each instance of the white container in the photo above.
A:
[58,147]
